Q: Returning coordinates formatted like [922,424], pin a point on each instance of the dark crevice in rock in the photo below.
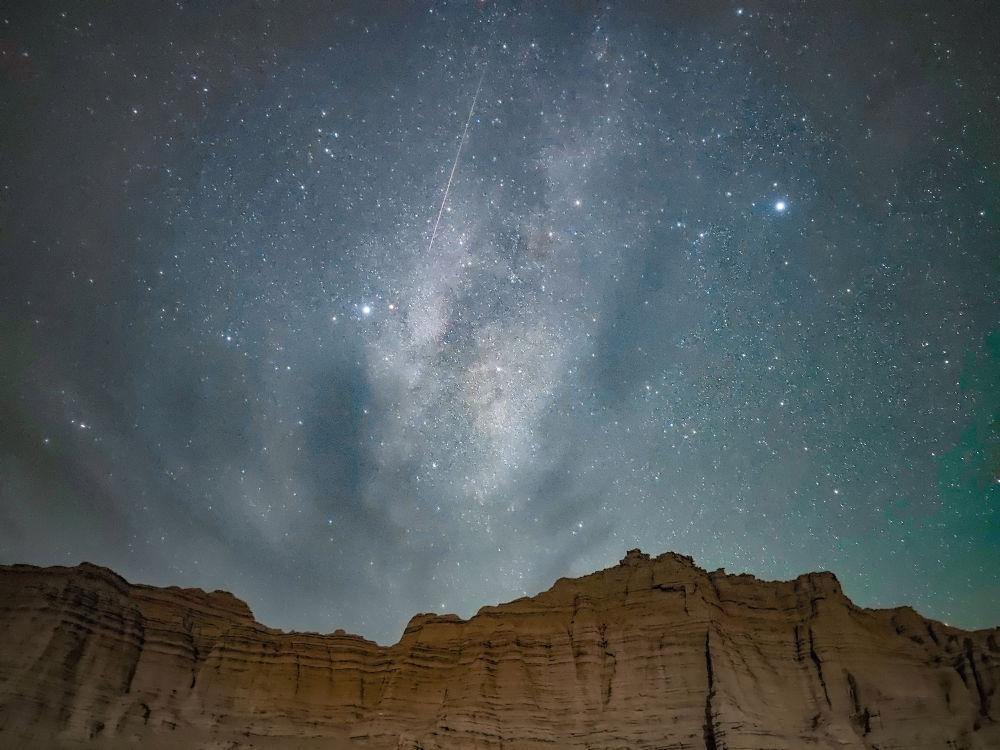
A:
[715,590]
[852,685]
[865,721]
[135,662]
[709,730]
[609,664]
[754,608]
[819,667]
[813,605]
[984,696]
[188,631]
[960,668]
[932,634]
[861,716]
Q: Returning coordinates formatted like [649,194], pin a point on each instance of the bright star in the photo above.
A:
[780,206]
[366,310]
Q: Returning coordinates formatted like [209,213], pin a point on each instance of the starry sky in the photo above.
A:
[359,310]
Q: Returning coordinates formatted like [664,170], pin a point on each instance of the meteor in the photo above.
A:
[458,154]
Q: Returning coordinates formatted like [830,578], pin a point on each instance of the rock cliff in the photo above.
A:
[653,653]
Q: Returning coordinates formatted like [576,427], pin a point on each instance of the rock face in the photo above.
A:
[653,653]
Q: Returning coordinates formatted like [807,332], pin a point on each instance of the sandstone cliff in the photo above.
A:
[654,653]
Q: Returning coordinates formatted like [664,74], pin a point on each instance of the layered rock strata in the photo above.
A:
[653,653]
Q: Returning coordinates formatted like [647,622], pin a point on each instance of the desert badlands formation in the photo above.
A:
[652,653]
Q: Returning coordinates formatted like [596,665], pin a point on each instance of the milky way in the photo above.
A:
[710,278]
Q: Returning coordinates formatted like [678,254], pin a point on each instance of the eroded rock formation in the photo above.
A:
[653,653]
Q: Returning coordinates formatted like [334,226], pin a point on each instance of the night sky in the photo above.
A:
[715,278]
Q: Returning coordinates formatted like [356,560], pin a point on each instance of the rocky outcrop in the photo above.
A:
[653,653]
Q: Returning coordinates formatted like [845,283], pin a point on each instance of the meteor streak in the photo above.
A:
[458,153]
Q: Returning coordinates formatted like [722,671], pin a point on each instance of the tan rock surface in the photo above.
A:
[653,653]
